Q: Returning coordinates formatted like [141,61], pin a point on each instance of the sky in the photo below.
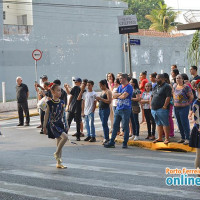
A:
[184,4]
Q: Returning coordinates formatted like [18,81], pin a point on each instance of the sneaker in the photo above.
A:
[105,141]
[136,138]
[181,141]
[93,139]
[41,132]
[132,137]
[186,142]
[27,124]
[20,124]
[78,139]
[87,138]
[109,145]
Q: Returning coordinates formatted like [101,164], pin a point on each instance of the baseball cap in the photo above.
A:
[44,76]
[77,80]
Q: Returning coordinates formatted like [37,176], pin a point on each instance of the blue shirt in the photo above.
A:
[125,103]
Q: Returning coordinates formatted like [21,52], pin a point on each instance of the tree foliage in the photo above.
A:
[162,18]
[142,8]
[193,53]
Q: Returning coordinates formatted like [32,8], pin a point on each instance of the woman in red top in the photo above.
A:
[142,83]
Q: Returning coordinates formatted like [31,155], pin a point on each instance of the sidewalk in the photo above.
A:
[172,146]
[14,114]
[148,144]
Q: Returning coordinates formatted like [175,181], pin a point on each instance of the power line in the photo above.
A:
[64,5]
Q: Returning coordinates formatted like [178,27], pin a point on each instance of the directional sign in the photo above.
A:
[134,41]
[37,54]
[127,24]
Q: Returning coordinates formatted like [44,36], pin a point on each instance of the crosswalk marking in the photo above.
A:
[49,194]
[160,159]
[167,191]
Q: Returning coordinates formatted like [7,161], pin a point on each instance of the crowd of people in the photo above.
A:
[158,99]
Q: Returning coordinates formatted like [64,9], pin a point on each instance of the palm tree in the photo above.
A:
[193,53]
[162,18]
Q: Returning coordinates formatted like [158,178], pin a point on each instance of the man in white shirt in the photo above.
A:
[88,109]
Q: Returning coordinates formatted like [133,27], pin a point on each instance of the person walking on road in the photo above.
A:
[123,111]
[22,94]
[55,123]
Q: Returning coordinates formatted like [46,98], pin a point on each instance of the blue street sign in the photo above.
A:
[134,42]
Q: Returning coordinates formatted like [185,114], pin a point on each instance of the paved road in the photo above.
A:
[27,169]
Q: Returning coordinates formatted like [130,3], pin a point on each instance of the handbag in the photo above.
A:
[136,109]
[42,104]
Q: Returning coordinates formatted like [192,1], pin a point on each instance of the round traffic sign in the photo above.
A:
[37,54]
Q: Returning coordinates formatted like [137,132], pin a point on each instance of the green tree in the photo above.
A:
[142,8]
[193,53]
[162,18]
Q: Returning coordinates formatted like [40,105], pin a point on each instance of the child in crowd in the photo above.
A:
[145,101]
[55,123]
[88,109]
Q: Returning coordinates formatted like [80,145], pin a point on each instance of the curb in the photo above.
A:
[16,117]
[159,146]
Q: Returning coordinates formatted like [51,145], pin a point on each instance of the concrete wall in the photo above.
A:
[156,54]
[76,41]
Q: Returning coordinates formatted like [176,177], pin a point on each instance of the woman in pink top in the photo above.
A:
[142,83]
[110,81]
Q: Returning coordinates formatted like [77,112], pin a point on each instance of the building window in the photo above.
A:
[4,15]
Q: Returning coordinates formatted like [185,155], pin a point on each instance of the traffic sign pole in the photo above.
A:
[129,53]
[36,76]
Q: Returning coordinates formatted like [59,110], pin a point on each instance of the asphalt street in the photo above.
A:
[27,169]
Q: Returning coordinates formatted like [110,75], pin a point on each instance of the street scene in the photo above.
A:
[99,100]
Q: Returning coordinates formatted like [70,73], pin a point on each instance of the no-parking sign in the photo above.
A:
[37,54]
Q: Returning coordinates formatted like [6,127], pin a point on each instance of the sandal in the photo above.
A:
[155,141]
[166,141]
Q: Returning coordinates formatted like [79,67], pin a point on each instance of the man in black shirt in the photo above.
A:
[74,107]
[22,101]
[160,99]
[193,72]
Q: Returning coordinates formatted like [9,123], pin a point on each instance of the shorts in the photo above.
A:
[161,117]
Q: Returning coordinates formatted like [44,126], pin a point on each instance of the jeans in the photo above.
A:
[104,115]
[89,124]
[23,107]
[135,123]
[124,116]
[183,121]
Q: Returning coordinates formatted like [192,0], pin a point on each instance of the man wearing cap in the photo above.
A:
[74,107]
[22,101]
